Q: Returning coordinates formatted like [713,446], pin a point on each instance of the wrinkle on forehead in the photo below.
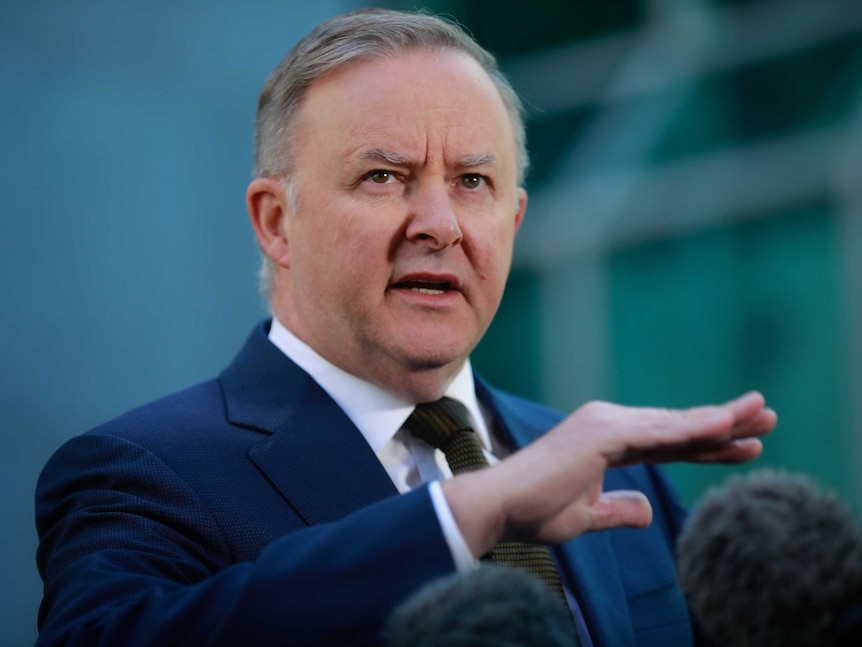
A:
[396,158]
[424,109]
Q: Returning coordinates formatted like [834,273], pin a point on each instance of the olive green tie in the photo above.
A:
[445,425]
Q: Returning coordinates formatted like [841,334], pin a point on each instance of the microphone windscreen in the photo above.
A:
[492,606]
[769,560]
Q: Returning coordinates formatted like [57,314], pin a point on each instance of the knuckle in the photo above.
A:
[595,409]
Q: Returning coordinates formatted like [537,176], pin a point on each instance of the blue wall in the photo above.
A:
[128,265]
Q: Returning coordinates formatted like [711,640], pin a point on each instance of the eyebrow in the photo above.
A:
[478,159]
[390,157]
[399,159]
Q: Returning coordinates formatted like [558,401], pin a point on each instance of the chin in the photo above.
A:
[436,358]
[428,348]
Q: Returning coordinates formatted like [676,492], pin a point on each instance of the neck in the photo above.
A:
[418,383]
[421,386]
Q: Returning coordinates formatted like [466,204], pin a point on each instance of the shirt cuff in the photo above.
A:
[461,555]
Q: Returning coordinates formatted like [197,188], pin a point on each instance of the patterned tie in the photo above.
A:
[444,424]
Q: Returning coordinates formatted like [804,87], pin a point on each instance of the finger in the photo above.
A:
[620,509]
[759,425]
[700,434]
[652,428]
[740,450]
[739,445]
[747,416]
[746,406]
[742,417]
[663,432]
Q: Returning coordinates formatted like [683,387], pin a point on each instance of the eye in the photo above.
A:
[472,180]
[379,176]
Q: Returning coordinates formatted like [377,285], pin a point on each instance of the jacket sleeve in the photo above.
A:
[129,555]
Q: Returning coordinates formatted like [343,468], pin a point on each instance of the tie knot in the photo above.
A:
[435,422]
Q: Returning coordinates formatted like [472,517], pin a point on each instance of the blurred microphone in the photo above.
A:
[771,560]
[493,606]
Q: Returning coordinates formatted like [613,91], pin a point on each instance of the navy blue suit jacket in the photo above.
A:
[250,510]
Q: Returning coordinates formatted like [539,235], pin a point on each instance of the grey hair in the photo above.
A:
[362,34]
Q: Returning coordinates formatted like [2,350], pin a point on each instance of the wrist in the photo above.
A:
[477,510]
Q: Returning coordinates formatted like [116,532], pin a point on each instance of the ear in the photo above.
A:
[268,210]
[522,207]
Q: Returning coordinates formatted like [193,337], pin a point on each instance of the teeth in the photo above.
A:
[427,290]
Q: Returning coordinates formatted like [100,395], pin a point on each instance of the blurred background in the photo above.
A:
[694,227]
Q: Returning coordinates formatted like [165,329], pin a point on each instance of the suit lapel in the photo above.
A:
[323,467]
[588,563]
[312,453]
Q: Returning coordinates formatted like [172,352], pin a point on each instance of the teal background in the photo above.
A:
[694,227]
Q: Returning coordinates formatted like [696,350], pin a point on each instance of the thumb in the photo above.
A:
[621,509]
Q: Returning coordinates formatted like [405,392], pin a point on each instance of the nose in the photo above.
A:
[432,220]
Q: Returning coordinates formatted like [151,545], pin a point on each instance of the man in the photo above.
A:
[261,507]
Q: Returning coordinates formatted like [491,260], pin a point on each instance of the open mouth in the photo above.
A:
[425,287]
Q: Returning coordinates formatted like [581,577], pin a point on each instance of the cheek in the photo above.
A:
[492,254]
[357,265]
[352,226]
[340,240]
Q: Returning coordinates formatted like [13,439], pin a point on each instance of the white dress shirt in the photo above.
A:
[409,461]
[380,416]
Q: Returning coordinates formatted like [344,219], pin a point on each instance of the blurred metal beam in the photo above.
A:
[583,73]
[849,185]
[676,197]
[640,81]
[630,130]
[677,48]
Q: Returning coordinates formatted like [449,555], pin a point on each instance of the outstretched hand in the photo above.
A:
[551,490]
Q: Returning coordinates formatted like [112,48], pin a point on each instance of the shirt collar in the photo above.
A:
[376,413]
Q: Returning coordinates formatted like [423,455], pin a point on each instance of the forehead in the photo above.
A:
[427,99]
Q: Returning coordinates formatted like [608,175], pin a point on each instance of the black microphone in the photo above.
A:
[493,606]
[773,560]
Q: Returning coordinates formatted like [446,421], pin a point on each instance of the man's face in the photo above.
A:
[405,172]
